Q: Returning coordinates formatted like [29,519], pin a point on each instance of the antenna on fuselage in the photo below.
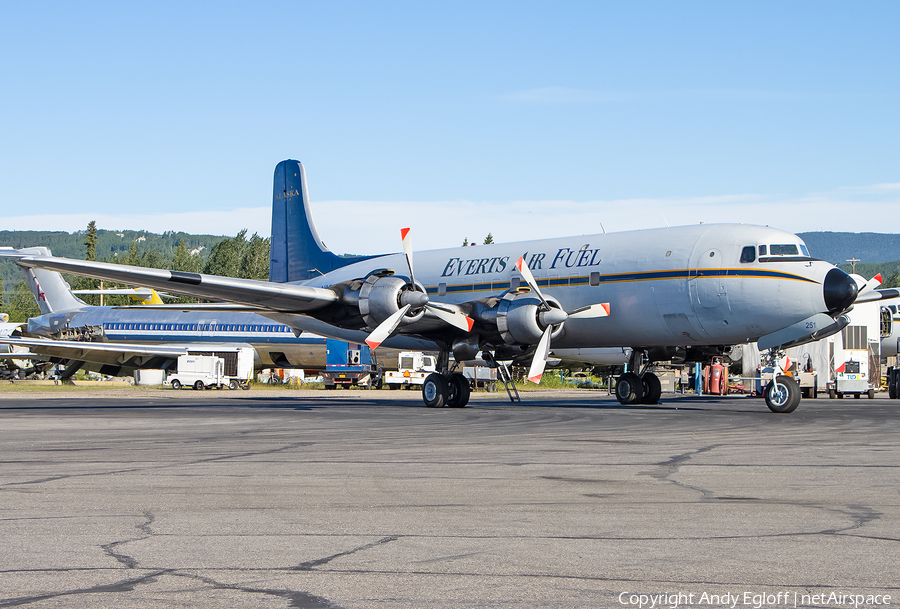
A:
[664,219]
[603,229]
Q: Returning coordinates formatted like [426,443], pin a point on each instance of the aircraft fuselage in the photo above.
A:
[666,287]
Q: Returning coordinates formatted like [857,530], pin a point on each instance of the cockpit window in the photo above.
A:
[748,254]
[763,251]
[804,250]
[785,249]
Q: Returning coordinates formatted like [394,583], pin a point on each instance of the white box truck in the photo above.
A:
[199,372]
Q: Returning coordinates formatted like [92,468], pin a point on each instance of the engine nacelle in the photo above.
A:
[382,295]
[518,318]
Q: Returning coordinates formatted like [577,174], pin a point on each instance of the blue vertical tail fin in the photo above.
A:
[297,252]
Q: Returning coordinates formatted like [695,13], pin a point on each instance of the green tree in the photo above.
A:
[154,259]
[893,281]
[90,241]
[255,260]
[465,242]
[183,261]
[22,304]
[133,258]
[489,239]
[225,257]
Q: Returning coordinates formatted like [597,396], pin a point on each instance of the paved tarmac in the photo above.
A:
[367,499]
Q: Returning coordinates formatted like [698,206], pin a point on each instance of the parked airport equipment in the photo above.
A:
[348,364]
[413,368]
[199,372]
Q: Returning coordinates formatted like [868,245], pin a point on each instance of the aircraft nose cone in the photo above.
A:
[840,290]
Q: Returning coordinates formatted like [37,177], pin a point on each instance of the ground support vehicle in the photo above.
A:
[199,372]
[348,364]
[851,377]
[413,368]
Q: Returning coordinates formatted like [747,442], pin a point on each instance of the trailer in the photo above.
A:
[231,368]
[413,368]
[239,364]
[348,364]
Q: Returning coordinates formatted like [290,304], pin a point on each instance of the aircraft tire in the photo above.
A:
[892,390]
[199,386]
[832,394]
[786,399]
[629,388]
[176,384]
[458,395]
[652,388]
[435,390]
[871,394]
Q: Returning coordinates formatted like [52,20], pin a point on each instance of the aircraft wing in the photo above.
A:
[100,353]
[249,292]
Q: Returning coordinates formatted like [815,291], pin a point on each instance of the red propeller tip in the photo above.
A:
[403,233]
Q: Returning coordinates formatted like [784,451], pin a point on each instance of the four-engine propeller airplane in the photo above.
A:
[684,292]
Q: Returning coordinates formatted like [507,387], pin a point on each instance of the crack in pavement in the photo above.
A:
[127,585]
[298,599]
[860,515]
[5,485]
[309,565]
[129,561]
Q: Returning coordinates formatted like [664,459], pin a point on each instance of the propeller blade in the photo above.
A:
[408,252]
[454,318]
[529,279]
[871,284]
[386,328]
[591,311]
[541,354]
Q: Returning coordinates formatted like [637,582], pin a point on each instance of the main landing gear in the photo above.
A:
[633,388]
[445,388]
[439,390]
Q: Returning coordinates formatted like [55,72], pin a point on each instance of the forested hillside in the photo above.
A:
[235,256]
[838,248]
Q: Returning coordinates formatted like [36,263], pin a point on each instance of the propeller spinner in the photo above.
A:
[550,317]
[414,299]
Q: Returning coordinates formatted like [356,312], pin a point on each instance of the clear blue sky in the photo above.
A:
[524,119]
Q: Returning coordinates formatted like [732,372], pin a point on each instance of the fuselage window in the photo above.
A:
[785,249]
[763,251]
[748,254]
